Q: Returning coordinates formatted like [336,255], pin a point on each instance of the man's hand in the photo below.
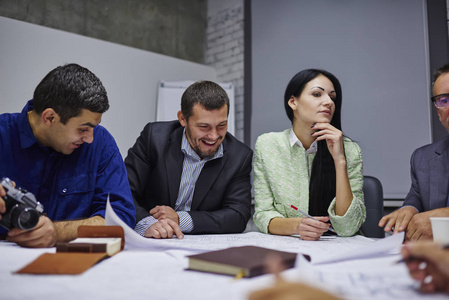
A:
[162,212]
[2,202]
[42,236]
[164,229]
[420,227]
[398,219]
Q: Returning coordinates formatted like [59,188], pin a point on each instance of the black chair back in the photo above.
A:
[374,202]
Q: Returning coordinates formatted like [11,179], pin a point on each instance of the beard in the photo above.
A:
[196,145]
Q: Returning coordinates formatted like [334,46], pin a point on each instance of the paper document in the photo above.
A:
[135,240]
[193,243]
[368,279]
[388,245]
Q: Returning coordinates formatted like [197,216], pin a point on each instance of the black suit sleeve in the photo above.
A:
[413,197]
[138,167]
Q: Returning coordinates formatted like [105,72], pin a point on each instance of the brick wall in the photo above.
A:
[224,52]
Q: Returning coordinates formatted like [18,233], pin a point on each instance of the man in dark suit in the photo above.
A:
[190,175]
[428,196]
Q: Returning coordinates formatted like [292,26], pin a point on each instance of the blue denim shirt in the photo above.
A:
[69,186]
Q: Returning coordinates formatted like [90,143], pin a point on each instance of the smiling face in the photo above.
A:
[316,102]
[205,129]
[441,86]
[65,138]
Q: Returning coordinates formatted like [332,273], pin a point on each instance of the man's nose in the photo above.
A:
[213,134]
[89,137]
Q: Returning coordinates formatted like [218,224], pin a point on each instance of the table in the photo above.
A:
[146,274]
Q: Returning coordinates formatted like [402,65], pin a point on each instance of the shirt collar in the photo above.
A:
[187,149]
[295,141]
[26,136]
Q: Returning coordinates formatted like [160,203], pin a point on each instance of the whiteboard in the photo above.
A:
[169,100]
[131,76]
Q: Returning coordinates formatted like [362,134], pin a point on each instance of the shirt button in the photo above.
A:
[64,190]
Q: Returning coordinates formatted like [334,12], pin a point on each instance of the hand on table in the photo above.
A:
[164,229]
[398,220]
[312,230]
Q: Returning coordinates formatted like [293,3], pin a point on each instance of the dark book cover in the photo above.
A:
[249,261]
[80,247]
[91,245]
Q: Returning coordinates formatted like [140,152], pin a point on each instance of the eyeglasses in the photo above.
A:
[441,101]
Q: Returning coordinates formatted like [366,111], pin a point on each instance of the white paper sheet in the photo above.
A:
[200,243]
[385,246]
[367,279]
[134,240]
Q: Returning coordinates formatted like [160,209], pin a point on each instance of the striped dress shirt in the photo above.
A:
[191,170]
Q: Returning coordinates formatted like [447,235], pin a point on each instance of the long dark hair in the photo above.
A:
[322,187]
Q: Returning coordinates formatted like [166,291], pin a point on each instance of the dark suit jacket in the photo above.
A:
[222,197]
[430,177]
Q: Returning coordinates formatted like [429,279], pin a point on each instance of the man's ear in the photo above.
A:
[49,117]
[181,119]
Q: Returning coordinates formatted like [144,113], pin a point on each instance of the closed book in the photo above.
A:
[246,261]
[91,245]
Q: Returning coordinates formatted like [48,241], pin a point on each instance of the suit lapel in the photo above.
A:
[439,167]
[173,164]
[209,174]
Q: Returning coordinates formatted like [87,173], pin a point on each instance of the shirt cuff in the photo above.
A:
[144,224]
[185,221]
[410,206]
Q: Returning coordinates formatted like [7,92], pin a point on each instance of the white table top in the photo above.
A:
[161,274]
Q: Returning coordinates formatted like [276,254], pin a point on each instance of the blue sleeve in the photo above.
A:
[112,180]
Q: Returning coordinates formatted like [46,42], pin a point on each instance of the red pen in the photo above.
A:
[309,216]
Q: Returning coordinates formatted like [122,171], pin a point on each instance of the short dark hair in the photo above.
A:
[440,71]
[68,89]
[322,186]
[299,81]
[208,94]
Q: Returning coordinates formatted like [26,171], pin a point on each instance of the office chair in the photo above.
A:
[374,202]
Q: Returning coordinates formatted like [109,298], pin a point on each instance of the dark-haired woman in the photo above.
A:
[311,166]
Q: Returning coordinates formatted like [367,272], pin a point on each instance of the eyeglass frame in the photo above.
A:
[434,100]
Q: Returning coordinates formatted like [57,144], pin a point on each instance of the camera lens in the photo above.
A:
[26,218]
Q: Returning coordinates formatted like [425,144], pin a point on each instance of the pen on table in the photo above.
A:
[309,216]
[402,260]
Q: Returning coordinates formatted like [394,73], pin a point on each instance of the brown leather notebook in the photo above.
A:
[75,259]
[246,261]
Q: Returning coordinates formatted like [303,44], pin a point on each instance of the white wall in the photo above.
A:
[377,49]
[28,52]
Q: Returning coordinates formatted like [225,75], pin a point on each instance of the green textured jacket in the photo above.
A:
[281,179]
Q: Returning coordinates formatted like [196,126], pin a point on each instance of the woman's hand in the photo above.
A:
[333,137]
[312,230]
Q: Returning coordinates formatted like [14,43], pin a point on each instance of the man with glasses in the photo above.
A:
[428,196]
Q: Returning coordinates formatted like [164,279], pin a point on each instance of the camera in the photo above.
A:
[22,209]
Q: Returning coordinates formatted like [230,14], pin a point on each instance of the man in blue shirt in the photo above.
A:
[56,149]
